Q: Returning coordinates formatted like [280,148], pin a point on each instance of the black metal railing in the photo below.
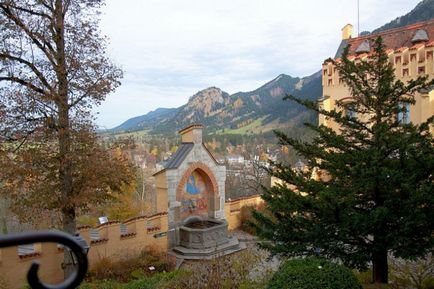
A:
[76,277]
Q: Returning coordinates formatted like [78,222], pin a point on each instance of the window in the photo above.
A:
[405,72]
[404,114]
[330,82]
[429,54]
[413,57]
[421,70]
[397,59]
[350,111]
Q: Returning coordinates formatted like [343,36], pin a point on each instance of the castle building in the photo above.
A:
[410,50]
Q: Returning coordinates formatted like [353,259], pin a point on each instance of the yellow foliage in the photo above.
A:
[173,149]
[238,103]
[154,151]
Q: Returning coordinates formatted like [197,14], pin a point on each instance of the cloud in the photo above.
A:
[171,49]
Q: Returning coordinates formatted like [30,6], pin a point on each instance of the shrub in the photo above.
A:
[246,217]
[416,274]
[428,283]
[131,267]
[4,284]
[364,277]
[232,271]
[156,281]
[312,273]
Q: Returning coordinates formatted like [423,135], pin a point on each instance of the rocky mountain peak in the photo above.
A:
[210,92]
[208,100]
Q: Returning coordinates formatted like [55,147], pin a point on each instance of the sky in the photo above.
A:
[171,49]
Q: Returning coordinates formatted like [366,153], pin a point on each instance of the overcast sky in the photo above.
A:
[170,49]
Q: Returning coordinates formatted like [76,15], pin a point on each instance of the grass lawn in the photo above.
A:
[133,134]
[253,127]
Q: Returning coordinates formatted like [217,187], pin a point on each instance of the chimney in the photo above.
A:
[192,133]
[347,31]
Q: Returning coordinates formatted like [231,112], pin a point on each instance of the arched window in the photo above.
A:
[404,114]
[350,110]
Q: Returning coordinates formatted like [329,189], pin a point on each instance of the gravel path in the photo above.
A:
[265,264]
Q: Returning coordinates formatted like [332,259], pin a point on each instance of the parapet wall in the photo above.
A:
[14,267]
[141,232]
[147,232]
[233,211]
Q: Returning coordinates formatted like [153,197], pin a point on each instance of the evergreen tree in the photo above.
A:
[367,190]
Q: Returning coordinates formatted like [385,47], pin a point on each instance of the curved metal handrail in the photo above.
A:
[49,236]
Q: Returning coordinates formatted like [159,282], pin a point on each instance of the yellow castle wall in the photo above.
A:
[113,245]
[233,211]
[408,63]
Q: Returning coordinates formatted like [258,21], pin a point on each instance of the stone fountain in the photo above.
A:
[193,184]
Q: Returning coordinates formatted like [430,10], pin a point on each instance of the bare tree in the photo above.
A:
[145,191]
[416,273]
[255,176]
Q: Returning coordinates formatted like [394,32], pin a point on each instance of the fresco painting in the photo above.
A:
[194,199]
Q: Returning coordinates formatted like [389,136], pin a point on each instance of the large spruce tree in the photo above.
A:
[367,191]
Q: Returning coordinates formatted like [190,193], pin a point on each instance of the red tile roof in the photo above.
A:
[398,38]
[389,50]
[417,46]
[401,49]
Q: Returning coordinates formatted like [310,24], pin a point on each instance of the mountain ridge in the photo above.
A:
[423,11]
[218,110]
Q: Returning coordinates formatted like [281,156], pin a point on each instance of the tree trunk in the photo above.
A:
[380,268]
[64,134]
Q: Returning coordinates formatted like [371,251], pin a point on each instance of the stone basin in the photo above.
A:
[203,234]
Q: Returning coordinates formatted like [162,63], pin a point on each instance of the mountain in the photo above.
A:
[144,121]
[256,111]
[422,12]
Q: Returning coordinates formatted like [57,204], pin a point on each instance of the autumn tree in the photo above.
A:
[100,176]
[53,70]
[367,191]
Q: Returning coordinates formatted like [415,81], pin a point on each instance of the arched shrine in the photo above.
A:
[191,188]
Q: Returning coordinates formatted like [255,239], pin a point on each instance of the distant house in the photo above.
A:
[235,159]
[160,166]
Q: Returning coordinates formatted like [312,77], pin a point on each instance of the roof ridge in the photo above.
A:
[392,30]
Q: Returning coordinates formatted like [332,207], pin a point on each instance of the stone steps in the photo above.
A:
[232,246]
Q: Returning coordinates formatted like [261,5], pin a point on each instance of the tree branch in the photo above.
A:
[31,66]
[24,83]
[86,93]
[31,12]
[33,37]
